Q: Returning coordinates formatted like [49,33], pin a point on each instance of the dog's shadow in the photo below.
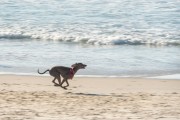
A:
[86,94]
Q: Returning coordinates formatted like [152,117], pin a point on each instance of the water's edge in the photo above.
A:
[165,77]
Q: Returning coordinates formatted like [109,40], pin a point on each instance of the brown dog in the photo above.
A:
[65,72]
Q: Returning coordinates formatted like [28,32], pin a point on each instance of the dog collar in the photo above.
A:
[71,73]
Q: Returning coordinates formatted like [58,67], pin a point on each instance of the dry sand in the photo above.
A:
[35,98]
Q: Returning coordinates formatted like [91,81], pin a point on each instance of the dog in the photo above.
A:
[65,72]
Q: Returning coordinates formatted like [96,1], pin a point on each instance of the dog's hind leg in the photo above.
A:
[59,80]
[56,75]
[55,84]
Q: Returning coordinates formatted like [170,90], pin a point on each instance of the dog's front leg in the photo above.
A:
[66,83]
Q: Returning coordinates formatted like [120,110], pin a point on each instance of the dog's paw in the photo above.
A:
[64,88]
[56,85]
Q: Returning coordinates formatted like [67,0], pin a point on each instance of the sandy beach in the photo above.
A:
[35,98]
[130,50]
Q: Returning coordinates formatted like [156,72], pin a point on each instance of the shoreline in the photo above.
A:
[158,77]
[35,97]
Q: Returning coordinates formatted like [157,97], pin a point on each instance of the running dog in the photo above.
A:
[65,72]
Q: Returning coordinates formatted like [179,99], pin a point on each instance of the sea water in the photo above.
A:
[114,38]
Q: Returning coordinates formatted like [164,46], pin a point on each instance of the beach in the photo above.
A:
[89,98]
[131,49]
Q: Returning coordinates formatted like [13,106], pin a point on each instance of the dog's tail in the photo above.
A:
[42,72]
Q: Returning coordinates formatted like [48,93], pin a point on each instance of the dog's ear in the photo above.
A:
[74,65]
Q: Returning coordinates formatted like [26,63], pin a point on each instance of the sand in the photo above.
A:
[35,98]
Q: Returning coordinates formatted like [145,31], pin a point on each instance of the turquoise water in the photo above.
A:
[119,38]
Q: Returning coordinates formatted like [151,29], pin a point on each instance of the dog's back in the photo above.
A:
[59,70]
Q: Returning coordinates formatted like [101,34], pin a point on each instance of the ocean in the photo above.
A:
[114,38]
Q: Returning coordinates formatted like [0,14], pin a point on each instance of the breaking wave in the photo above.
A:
[97,38]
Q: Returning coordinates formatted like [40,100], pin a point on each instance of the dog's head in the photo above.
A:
[79,65]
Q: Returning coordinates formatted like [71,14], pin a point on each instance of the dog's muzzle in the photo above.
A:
[84,66]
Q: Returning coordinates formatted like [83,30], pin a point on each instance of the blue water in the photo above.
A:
[119,38]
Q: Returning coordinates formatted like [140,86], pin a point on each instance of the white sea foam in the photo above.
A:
[83,37]
[172,77]
[117,22]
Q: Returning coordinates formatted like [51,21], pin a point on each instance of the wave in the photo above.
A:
[121,38]
[14,36]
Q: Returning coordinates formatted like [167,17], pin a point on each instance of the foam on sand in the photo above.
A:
[174,77]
